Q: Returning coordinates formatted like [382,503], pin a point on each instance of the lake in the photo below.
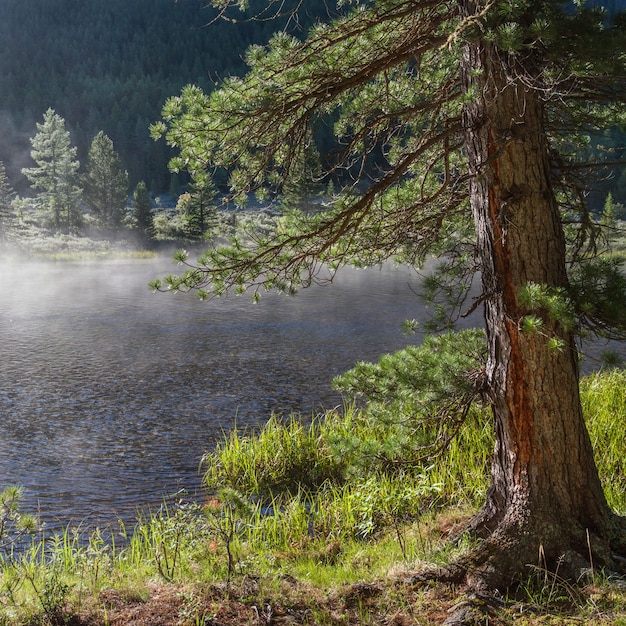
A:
[111,394]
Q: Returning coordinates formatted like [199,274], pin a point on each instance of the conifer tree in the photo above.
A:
[56,173]
[451,113]
[6,198]
[304,181]
[106,183]
[142,210]
[197,206]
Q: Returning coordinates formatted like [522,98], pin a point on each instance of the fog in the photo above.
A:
[111,394]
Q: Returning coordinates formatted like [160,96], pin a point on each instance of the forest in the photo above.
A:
[110,66]
[472,479]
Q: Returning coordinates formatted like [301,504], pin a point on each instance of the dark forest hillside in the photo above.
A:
[110,66]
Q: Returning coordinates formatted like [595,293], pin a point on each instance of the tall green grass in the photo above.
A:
[285,457]
[294,499]
[603,397]
[317,473]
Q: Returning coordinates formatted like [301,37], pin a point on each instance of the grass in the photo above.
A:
[34,244]
[603,396]
[295,529]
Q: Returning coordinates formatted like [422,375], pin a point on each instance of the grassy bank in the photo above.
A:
[305,524]
[68,248]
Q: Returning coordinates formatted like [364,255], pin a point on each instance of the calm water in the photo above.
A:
[111,394]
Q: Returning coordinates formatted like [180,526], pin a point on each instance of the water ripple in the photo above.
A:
[110,395]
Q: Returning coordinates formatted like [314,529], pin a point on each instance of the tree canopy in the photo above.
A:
[388,76]
[110,66]
[106,183]
[142,210]
[447,115]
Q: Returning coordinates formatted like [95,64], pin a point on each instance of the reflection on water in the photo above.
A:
[111,394]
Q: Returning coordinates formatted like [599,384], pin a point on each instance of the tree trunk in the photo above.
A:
[545,505]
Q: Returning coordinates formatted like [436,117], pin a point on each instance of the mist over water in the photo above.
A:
[111,394]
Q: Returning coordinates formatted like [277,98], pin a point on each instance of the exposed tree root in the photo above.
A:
[509,554]
[515,551]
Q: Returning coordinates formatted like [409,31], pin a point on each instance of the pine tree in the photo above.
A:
[450,113]
[197,207]
[142,210]
[56,174]
[106,183]
[304,181]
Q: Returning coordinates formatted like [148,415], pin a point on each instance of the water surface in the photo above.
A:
[111,394]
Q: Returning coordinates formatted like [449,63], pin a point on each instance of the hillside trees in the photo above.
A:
[469,111]
[105,183]
[56,172]
[123,63]
[6,198]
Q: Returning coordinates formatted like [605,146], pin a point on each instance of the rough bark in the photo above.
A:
[546,504]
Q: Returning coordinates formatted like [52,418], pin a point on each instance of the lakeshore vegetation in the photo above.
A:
[294,531]
[464,126]
[461,131]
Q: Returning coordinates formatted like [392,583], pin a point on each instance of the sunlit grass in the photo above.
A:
[603,397]
[295,508]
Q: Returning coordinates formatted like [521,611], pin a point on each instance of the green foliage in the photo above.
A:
[261,151]
[303,184]
[284,458]
[551,307]
[163,539]
[351,489]
[167,225]
[379,502]
[362,496]
[437,370]
[56,172]
[446,286]
[343,532]
[418,401]
[244,229]
[53,597]
[106,183]
[6,198]
[115,76]
[419,397]
[603,396]
[398,126]
[197,208]
[552,302]
[228,513]
[597,290]
[142,210]
[609,217]
[15,525]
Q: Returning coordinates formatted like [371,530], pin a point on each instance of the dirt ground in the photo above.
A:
[394,602]
[168,605]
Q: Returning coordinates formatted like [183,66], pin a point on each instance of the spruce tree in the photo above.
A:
[106,183]
[56,173]
[450,113]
